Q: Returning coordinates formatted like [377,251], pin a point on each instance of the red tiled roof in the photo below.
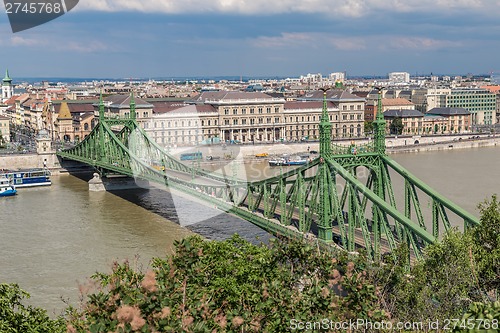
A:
[395,102]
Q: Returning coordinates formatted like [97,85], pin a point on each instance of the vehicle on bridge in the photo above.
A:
[191,156]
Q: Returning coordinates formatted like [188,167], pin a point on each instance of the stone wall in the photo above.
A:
[29,161]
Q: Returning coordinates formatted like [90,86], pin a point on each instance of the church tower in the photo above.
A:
[7,87]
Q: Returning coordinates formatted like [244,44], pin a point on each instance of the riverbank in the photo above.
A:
[448,145]
[247,153]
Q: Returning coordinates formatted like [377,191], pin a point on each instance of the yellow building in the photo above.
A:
[4,129]
[64,124]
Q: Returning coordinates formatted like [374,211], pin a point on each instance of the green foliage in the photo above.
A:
[440,286]
[15,317]
[396,126]
[368,127]
[230,286]
[481,317]
[487,238]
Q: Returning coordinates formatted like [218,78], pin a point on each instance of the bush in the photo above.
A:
[229,286]
[16,317]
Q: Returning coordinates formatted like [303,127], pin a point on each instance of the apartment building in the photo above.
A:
[351,110]
[252,117]
[412,120]
[456,120]
[387,104]
[481,103]
[4,129]
[245,116]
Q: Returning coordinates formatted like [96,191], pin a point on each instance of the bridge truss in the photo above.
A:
[345,197]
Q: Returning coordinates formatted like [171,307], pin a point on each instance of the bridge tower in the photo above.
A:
[324,176]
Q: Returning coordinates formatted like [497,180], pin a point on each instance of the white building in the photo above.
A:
[399,77]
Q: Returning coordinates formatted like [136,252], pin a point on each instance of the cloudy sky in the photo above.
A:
[179,38]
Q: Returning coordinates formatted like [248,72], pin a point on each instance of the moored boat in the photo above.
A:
[6,189]
[28,178]
[287,162]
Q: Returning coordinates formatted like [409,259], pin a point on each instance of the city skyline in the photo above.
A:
[119,39]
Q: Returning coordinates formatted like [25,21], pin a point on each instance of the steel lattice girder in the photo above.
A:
[291,203]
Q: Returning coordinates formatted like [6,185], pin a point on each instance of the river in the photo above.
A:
[53,238]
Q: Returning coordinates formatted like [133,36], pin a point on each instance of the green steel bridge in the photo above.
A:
[346,197]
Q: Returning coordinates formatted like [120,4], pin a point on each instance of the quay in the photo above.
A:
[246,153]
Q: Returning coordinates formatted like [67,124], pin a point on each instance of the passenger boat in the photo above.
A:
[285,161]
[28,178]
[6,189]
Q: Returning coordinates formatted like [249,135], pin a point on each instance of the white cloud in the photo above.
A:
[88,47]
[420,43]
[22,41]
[347,8]
[324,40]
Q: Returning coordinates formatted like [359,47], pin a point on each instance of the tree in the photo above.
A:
[16,317]
[230,286]
[487,239]
[396,126]
[368,127]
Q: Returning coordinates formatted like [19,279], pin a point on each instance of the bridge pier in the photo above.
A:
[96,184]
[115,183]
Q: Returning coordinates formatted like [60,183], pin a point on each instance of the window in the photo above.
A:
[226,121]
[235,121]
[226,111]
[260,110]
[243,121]
[252,110]
[276,109]
[243,111]
[235,111]
[252,121]
[276,119]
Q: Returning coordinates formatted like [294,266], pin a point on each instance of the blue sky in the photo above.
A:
[177,38]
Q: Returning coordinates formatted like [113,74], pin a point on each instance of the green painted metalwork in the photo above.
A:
[328,198]
[325,129]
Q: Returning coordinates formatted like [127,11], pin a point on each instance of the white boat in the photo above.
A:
[28,178]
[6,189]
[285,161]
